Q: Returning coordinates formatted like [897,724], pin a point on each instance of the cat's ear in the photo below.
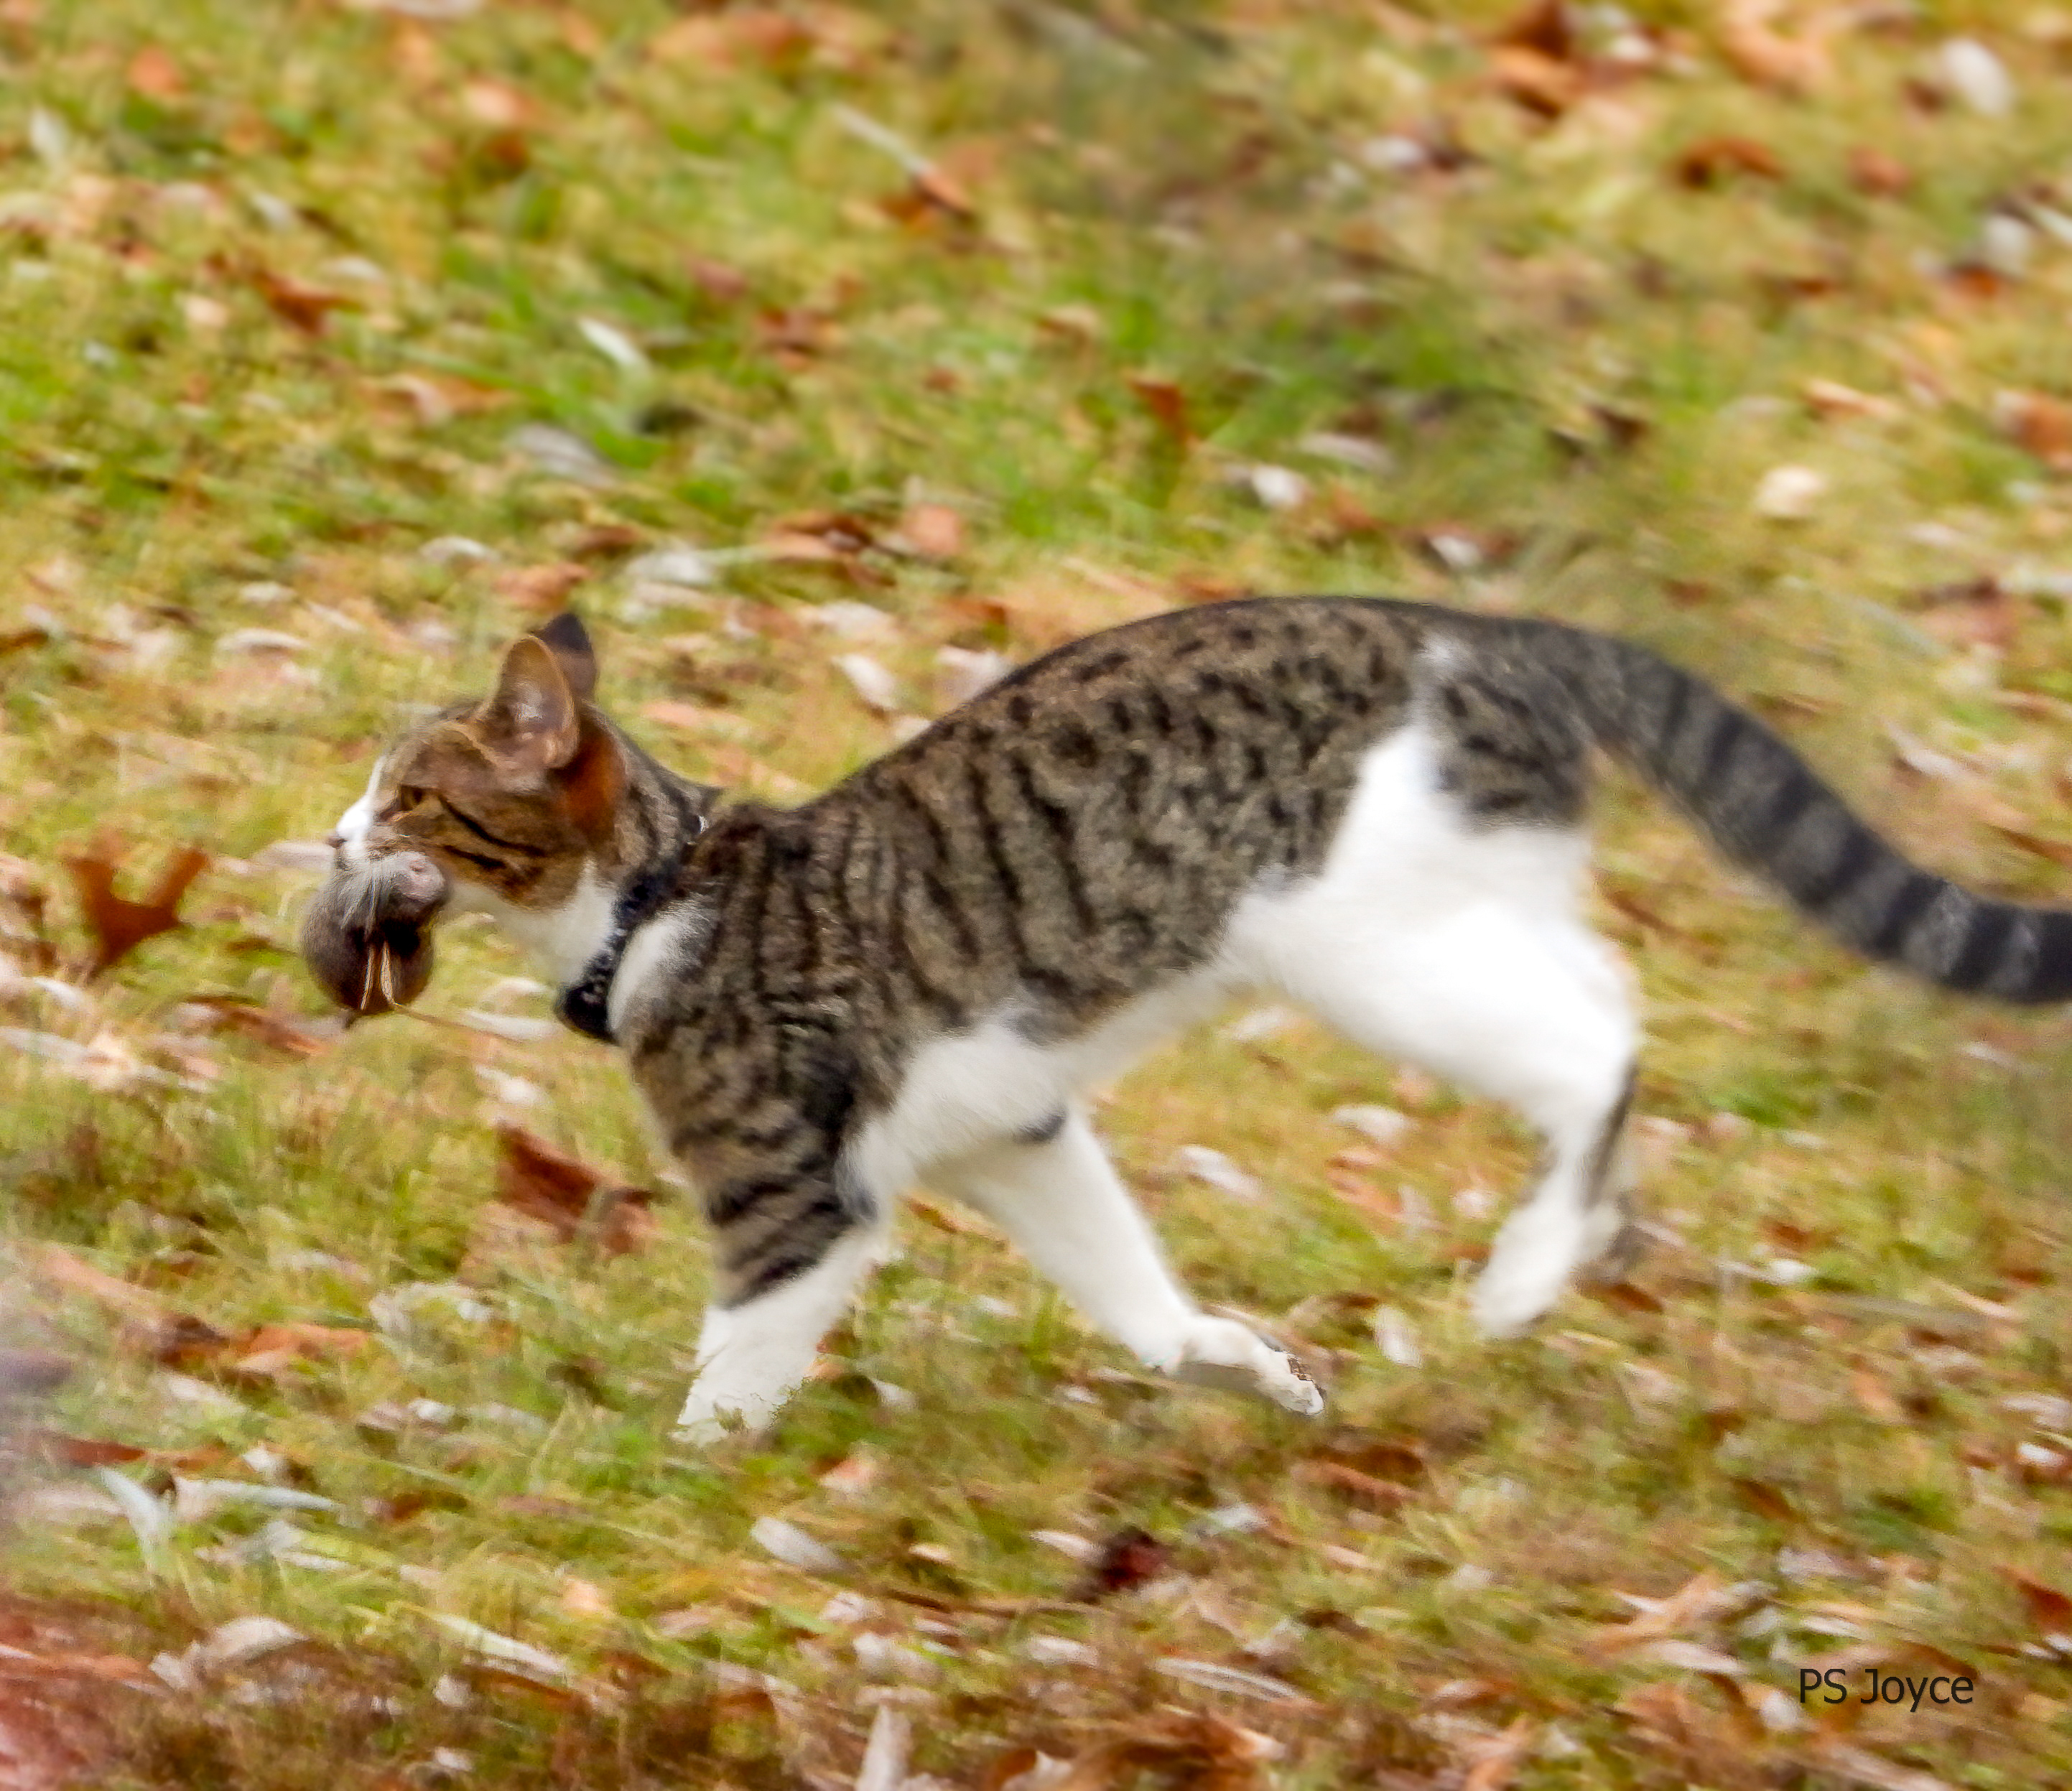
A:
[531,726]
[568,641]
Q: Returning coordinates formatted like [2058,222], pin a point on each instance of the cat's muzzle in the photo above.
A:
[368,935]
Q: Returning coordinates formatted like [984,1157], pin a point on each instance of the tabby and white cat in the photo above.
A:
[1373,809]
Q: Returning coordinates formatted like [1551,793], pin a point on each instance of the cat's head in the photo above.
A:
[498,804]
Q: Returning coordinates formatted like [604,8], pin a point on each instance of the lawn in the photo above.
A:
[827,357]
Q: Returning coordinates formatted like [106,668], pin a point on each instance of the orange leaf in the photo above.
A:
[118,925]
[935,530]
[568,1196]
[498,105]
[541,588]
[1536,81]
[303,307]
[2049,1609]
[1880,176]
[1711,159]
[1167,404]
[154,74]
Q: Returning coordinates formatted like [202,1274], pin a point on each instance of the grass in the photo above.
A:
[279,287]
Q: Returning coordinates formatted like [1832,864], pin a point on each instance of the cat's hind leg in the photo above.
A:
[1517,1002]
[1055,1193]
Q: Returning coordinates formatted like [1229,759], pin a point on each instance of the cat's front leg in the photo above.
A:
[794,1232]
[753,1354]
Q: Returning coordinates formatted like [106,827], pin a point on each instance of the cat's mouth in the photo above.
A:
[368,935]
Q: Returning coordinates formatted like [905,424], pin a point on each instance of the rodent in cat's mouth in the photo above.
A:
[368,935]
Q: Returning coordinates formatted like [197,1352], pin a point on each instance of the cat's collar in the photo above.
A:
[586,1004]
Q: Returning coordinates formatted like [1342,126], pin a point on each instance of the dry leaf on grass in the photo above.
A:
[1165,401]
[296,302]
[571,1197]
[1710,161]
[118,925]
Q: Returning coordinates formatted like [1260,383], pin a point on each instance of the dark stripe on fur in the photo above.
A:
[1798,833]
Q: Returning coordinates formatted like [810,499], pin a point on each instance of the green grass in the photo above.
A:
[1564,352]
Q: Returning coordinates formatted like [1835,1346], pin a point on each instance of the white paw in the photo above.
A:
[710,1415]
[1219,1352]
[1527,1272]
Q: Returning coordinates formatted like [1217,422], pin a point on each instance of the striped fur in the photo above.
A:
[1076,846]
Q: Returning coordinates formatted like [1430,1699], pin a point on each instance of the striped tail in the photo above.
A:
[1747,791]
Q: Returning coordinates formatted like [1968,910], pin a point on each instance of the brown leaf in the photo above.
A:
[1166,403]
[1203,1752]
[795,334]
[935,530]
[118,925]
[1977,612]
[2049,1609]
[1544,26]
[1765,1500]
[1363,1488]
[571,1196]
[1709,161]
[498,105]
[271,1347]
[81,1452]
[1499,1760]
[721,281]
[1536,81]
[759,35]
[1128,1559]
[1879,175]
[435,399]
[540,589]
[1758,54]
[62,1269]
[297,1036]
[2038,424]
[296,302]
[154,74]
[1696,1601]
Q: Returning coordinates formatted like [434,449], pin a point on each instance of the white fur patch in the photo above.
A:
[658,949]
[560,940]
[357,822]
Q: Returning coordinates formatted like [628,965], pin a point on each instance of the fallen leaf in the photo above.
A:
[570,1197]
[154,73]
[1361,1487]
[2049,1609]
[1535,80]
[877,686]
[296,302]
[1699,1600]
[934,530]
[1709,161]
[1789,494]
[1831,398]
[1496,1761]
[542,587]
[1860,1768]
[1167,404]
[1213,1169]
[1765,1500]
[1763,55]
[1873,172]
[498,105]
[2038,424]
[120,926]
[1126,1560]
[794,1548]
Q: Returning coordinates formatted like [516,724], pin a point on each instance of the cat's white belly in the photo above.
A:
[1412,908]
